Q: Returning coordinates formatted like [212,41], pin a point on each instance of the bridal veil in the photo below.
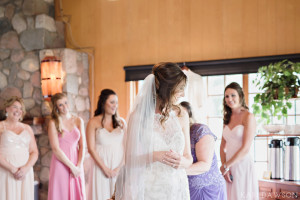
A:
[139,144]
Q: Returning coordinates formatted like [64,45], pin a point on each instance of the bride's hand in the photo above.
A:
[173,159]
[159,156]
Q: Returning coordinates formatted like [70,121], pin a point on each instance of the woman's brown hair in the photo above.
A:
[55,114]
[226,109]
[101,105]
[167,77]
[188,108]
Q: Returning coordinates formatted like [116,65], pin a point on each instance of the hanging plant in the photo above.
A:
[278,82]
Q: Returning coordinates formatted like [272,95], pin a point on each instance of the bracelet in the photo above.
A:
[225,168]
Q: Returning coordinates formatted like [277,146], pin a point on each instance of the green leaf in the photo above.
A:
[256,98]
[284,111]
[286,73]
[264,115]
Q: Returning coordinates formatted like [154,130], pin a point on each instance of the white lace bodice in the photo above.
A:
[169,135]
[163,181]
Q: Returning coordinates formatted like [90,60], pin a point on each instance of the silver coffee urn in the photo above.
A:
[276,159]
[292,159]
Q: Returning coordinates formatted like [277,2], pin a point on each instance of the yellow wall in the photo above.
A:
[134,32]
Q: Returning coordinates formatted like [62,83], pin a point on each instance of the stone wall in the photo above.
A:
[27,31]
[26,26]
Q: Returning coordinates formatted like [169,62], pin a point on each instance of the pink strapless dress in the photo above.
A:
[245,184]
[62,184]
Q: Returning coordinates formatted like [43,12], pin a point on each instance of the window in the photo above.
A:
[214,115]
[260,144]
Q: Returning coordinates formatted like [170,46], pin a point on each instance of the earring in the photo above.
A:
[6,114]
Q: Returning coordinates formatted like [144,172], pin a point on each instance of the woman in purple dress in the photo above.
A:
[205,179]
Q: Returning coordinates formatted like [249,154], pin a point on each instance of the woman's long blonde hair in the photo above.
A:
[55,114]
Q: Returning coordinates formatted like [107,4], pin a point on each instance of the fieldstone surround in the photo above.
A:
[75,81]
[27,31]
[26,27]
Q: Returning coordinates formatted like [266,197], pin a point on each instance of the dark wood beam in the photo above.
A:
[215,67]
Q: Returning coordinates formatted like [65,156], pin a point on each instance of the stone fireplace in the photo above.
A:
[27,31]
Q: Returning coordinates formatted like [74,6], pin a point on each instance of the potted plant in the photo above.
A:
[278,82]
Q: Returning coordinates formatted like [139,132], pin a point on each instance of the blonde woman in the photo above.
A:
[66,135]
[18,153]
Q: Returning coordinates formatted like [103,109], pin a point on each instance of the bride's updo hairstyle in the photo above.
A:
[167,77]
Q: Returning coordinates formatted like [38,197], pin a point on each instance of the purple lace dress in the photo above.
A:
[211,184]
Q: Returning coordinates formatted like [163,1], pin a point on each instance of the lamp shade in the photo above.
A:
[51,76]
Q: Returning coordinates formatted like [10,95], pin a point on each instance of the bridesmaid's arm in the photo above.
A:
[204,152]
[90,138]
[81,150]
[223,160]
[33,156]
[248,136]
[60,155]
[222,150]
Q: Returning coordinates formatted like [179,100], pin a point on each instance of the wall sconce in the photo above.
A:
[51,76]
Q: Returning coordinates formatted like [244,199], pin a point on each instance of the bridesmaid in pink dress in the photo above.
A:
[238,134]
[66,135]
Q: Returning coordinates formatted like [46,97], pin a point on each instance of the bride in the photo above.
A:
[158,142]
